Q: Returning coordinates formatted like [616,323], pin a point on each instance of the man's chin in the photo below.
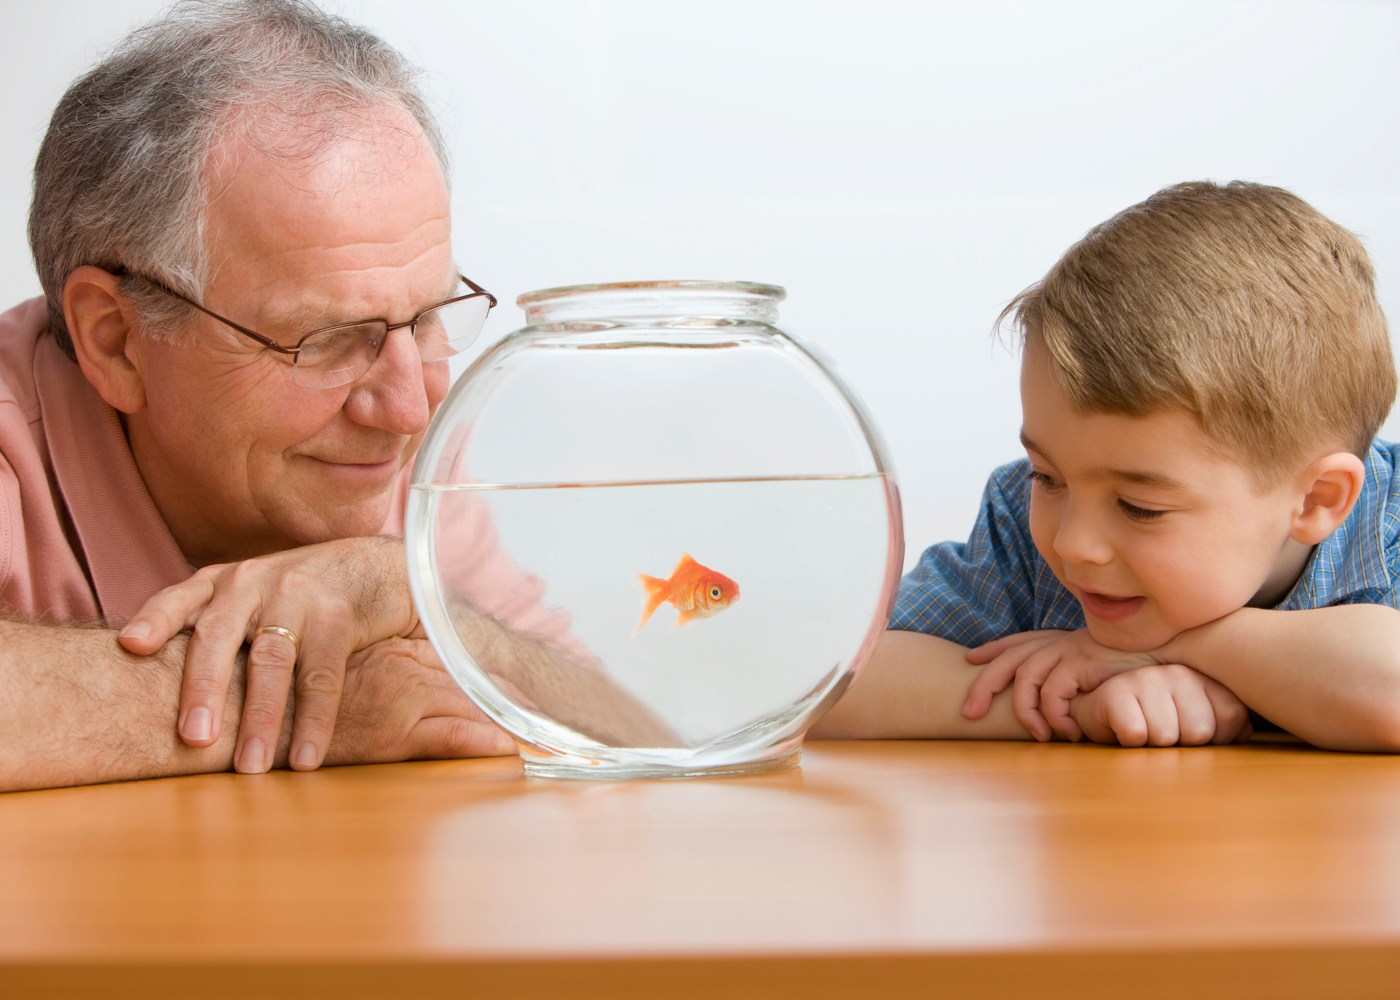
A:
[352,521]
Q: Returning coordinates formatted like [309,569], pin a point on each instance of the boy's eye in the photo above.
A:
[1136,513]
[1044,481]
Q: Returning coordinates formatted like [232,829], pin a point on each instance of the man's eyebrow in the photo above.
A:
[1135,476]
[297,319]
[302,319]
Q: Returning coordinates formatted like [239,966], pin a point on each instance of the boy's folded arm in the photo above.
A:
[913,688]
[1330,676]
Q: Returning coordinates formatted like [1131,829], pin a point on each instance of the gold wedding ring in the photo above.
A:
[285,633]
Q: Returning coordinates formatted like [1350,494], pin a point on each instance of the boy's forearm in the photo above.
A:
[76,709]
[1330,676]
[914,688]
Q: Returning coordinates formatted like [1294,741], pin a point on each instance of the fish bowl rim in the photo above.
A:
[760,289]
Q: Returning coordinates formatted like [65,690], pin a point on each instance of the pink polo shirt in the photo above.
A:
[81,539]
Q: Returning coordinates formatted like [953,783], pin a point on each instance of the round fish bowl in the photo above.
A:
[651,534]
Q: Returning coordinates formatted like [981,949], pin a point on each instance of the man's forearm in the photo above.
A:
[566,684]
[76,709]
[1330,676]
[914,688]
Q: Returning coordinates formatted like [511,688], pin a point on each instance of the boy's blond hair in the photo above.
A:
[1241,304]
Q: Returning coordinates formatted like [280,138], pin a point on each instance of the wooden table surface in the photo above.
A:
[876,869]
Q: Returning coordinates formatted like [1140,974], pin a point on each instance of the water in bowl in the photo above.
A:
[732,691]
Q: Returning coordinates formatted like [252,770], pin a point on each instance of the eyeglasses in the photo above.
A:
[338,355]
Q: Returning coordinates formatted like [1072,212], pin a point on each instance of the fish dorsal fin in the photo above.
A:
[686,563]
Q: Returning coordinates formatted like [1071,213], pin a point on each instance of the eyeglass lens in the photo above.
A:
[338,357]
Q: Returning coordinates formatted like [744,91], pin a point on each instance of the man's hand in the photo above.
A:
[398,703]
[336,597]
[77,709]
[1161,705]
[1048,668]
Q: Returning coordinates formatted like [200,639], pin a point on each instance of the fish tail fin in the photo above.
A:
[656,595]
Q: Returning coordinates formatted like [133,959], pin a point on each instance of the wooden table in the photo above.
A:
[877,869]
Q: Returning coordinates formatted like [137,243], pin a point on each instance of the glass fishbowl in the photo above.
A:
[651,534]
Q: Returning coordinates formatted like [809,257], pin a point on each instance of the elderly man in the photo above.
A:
[241,224]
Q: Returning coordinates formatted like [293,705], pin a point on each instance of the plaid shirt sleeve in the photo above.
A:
[973,592]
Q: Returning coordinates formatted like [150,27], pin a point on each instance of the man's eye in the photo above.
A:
[430,329]
[326,347]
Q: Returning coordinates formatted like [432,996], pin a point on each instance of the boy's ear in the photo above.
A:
[101,321]
[1330,488]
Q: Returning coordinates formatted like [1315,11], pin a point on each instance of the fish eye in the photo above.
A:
[716,593]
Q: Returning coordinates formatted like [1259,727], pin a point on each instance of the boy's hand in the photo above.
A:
[1049,668]
[1162,705]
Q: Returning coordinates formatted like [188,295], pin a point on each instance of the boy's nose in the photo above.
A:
[1079,540]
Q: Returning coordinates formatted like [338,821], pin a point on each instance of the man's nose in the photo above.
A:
[1079,537]
[393,394]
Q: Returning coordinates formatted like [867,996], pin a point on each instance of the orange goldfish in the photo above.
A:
[695,591]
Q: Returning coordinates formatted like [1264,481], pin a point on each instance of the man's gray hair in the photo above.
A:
[120,180]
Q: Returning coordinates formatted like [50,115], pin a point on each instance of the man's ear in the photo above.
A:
[1330,487]
[101,321]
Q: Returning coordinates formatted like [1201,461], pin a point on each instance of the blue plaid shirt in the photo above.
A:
[996,583]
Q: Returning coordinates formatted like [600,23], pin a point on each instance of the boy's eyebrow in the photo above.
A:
[1133,476]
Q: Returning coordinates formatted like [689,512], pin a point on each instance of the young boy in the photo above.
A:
[1203,524]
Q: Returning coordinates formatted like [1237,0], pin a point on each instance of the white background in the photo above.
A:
[903,169]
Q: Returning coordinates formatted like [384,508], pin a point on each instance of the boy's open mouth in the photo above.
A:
[1107,608]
